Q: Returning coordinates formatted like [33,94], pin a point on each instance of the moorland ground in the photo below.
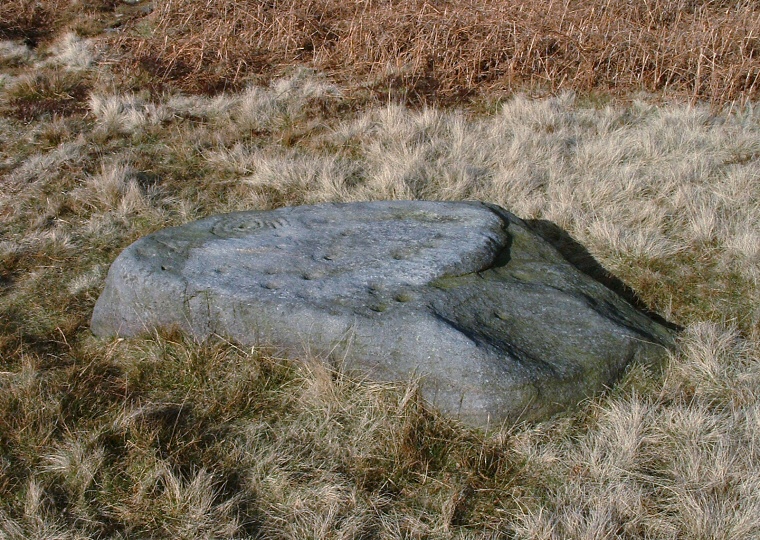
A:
[633,128]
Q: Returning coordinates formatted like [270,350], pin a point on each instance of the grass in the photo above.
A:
[446,51]
[161,437]
[441,52]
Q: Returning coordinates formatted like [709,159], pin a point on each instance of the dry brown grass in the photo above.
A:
[160,437]
[30,20]
[441,50]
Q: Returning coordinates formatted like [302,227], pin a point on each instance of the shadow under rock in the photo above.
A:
[580,257]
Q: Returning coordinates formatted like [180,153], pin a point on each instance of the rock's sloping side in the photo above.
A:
[495,321]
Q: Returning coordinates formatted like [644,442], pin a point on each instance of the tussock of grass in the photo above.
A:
[72,52]
[48,94]
[165,438]
[13,54]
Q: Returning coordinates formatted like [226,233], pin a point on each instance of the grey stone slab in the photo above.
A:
[498,325]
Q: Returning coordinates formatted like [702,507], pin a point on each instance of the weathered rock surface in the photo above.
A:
[495,321]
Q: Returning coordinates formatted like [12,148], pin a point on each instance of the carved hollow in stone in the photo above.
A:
[498,325]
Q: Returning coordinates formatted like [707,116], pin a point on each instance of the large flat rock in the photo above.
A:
[498,325]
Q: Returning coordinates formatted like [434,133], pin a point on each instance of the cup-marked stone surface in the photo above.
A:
[498,325]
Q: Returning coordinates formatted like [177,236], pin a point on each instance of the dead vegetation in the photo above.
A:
[29,20]
[445,50]
[422,51]
[160,437]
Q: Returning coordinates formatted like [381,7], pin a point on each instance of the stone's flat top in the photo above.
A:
[465,295]
[316,254]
